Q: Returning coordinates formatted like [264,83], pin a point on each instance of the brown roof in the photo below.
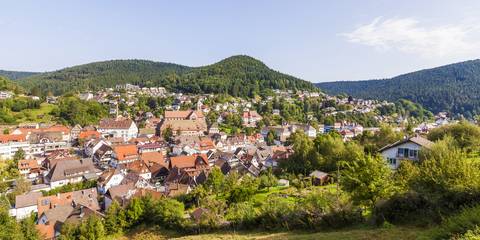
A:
[115,124]
[198,213]
[62,129]
[182,114]
[143,192]
[76,216]
[70,169]
[206,144]
[416,139]
[187,161]
[153,157]
[175,189]
[107,175]
[138,167]
[119,190]
[27,163]
[26,200]
[87,197]
[47,231]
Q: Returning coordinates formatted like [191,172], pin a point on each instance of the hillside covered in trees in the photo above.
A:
[454,87]
[237,75]
[14,75]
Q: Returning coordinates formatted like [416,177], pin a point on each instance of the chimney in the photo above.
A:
[81,211]
[58,195]
[47,223]
[73,190]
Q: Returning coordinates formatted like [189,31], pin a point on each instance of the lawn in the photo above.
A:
[46,108]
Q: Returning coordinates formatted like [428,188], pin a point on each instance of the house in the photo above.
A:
[123,154]
[25,205]
[144,192]
[5,95]
[87,197]
[114,128]
[110,177]
[154,157]
[202,147]
[29,168]
[193,164]
[71,172]
[179,176]
[213,129]
[199,214]
[9,145]
[320,178]
[140,168]
[103,155]
[250,118]
[159,172]
[406,149]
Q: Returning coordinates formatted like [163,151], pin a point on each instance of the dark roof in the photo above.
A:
[74,167]
[416,139]
[76,216]
[202,177]
[198,213]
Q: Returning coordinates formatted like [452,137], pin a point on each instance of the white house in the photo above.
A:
[25,205]
[125,129]
[406,149]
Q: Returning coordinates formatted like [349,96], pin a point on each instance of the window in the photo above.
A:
[400,151]
[413,154]
[45,202]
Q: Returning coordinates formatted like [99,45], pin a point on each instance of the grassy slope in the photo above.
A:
[45,109]
[403,232]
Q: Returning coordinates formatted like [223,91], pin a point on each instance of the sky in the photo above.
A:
[318,41]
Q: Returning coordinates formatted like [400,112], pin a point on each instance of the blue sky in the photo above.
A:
[314,40]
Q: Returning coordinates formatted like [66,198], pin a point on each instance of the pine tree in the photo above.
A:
[111,217]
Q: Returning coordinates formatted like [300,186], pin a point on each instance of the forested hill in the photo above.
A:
[97,75]
[237,75]
[14,75]
[9,86]
[454,87]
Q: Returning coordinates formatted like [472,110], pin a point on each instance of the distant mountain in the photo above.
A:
[454,87]
[14,75]
[237,75]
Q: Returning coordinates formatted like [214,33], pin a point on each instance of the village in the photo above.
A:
[131,153]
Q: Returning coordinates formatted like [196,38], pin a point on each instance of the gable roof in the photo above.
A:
[415,139]
[26,200]
[70,169]
[112,124]
[319,174]
[126,152]
[138,167]
[153,157]
[143,192]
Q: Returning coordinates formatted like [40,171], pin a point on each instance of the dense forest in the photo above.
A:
[237,75]
[98,75]
[9,86]
[14,75]
[454,87]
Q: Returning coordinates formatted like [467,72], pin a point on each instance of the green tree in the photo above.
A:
[232,180]
[239,194]
[268,180]
[169,213]
[6,131]
[135,211]
[29,231]
[167,133]
[19,155]
[92,228]
[111,217]
[215,180]
[367,179]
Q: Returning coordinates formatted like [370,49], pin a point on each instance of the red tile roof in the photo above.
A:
[13,138]
[88,133]
[126,152]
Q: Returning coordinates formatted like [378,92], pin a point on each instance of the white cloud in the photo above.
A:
[406,36]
